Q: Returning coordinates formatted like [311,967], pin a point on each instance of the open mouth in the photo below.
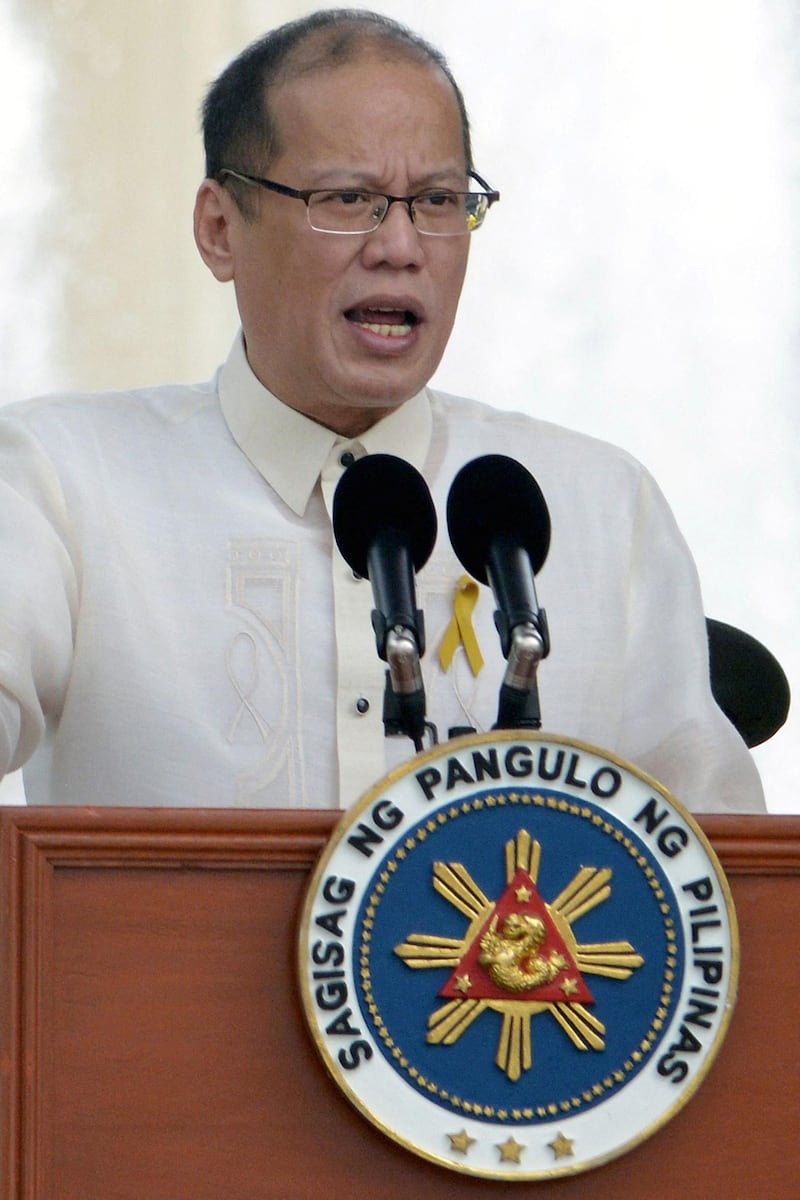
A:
[388,322]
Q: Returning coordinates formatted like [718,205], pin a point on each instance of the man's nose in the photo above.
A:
[396,240]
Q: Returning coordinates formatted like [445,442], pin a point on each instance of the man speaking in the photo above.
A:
[177,626]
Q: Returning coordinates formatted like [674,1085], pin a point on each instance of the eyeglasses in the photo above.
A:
[437,213]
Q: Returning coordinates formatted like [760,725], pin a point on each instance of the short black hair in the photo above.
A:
[237,123]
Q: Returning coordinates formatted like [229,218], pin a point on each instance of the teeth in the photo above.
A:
[396,324]
[386,330]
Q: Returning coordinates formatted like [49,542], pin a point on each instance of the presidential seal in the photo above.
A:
[518,956]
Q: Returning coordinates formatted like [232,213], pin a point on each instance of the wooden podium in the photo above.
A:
[154,1046]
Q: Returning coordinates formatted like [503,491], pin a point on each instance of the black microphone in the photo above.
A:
[384,522]
[500,529]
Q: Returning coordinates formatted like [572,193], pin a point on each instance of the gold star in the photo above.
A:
[569,987]
[510,1150]
[461,1141]
[523,894]
[562,1146]
[462,984]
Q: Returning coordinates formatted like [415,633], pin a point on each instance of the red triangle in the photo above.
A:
[533,957]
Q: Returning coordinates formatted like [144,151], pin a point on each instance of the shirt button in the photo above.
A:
[362,705]
[347,458]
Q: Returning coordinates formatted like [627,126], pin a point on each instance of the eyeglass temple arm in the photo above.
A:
[491,193]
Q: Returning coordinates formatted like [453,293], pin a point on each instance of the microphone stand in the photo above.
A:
[404,695]
[518,703]
[522,626]
[399,628]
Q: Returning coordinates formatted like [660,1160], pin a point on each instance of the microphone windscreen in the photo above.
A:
[747,682]
[378,493]
[495,495]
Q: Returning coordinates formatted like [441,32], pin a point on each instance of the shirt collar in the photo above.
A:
[290,450]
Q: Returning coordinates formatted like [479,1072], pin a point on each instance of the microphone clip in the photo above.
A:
[406,717]
[522,627]
[395,638]
[404,694]
[518,701]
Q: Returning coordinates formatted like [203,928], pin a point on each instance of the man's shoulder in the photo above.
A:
[160,404]
[490,429]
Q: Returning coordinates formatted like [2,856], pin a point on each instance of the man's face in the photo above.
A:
[345,328]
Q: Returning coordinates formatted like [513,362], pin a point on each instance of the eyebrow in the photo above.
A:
[450,177]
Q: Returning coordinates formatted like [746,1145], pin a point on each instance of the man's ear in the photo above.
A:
[214,210]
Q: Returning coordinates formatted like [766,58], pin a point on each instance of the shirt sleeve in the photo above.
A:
[680,735]
[38,594]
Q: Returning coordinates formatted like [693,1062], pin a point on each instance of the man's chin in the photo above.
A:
[356,411]
[385,389]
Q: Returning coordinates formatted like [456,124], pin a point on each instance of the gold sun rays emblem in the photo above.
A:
[519,956]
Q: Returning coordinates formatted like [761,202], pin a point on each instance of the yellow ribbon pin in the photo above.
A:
[460,628]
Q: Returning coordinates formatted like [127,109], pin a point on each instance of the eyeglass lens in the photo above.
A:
[444,213]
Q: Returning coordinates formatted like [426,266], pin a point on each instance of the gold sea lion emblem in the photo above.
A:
[511,957]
